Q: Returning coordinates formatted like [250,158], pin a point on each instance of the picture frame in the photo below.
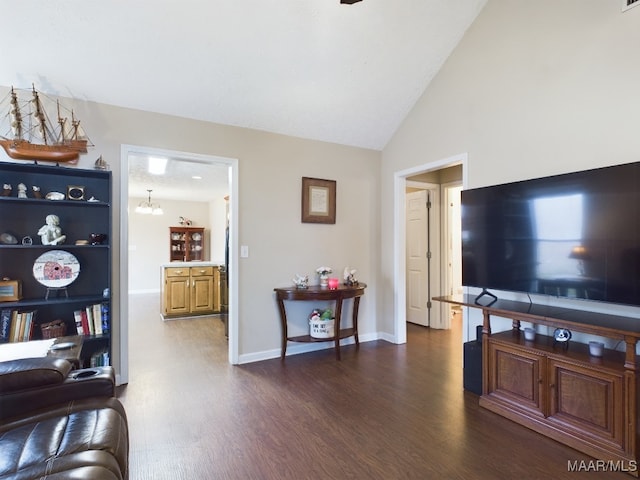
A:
[10,290]
[318,200]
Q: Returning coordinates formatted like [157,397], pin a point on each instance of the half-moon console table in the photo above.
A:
[321,293]
[559,390]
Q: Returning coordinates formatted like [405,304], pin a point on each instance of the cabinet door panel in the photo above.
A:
[202,294]
[176,296]
[587,401]
[516,377]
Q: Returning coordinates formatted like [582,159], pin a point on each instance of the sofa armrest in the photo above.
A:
[16,375]
[78,384]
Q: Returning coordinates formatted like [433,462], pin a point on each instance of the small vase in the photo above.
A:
[324,280]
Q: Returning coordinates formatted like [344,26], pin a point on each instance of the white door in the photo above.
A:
[417,264]
[454,241]
[423,256]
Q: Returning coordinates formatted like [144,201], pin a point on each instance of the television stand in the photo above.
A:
[588,403]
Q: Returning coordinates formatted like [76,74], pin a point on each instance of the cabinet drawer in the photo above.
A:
[177,272]
[201,271]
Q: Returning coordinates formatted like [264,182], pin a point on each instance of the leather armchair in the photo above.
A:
[60,423]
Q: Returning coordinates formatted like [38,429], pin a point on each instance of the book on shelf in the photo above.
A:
[100,359]
[77,318]
[92,320]
[16,326]
[97,318]
[5,325]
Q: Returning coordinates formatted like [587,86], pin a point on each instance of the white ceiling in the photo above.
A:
[179,181]
[315,69]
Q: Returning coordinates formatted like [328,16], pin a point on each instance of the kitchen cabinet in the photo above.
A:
[190,290]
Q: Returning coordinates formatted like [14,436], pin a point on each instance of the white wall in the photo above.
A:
[533,89]
[149,239]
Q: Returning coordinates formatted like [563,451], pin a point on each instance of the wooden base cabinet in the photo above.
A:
[559,390]
[574,398]
[189,291]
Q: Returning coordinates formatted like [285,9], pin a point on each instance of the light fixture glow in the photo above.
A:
[147,208]
[157,165]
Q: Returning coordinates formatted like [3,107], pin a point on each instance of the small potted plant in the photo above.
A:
[323,273]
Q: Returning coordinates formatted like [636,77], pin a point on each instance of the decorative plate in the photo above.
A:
[56,268]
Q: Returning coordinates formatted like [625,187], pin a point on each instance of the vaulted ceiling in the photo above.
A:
[315,69]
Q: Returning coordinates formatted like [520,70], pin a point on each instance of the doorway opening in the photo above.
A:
[443,180]
[131,154]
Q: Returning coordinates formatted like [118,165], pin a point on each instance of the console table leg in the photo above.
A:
[283,323]
[356,305]
[337,327]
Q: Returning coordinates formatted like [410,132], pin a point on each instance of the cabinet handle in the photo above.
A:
[202,271]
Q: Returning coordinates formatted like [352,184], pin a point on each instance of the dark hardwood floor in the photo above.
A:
[385,412]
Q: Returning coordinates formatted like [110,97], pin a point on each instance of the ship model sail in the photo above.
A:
[32,136]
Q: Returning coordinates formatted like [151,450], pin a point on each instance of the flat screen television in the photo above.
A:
[575,235]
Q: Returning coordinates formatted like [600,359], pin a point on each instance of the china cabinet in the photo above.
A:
[186,244]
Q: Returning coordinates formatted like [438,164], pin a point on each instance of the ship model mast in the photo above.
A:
[32,136]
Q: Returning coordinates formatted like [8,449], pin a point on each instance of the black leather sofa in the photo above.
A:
[57,423]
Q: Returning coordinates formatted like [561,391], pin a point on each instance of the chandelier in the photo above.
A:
[147,208]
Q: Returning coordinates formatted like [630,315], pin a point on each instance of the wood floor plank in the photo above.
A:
[383,412]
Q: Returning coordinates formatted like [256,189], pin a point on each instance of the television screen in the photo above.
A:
[575,235]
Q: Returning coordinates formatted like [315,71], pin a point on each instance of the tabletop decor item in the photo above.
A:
[529,334]
[301,281]
[323,273]
[562,336]
[10,290]
[61,142]
[51,233]
[321,323]
[56,269]
[349,276]
[596,349]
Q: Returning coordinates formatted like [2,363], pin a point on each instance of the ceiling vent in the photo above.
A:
[627,4]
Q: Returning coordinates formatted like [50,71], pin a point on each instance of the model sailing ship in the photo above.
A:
[32,136]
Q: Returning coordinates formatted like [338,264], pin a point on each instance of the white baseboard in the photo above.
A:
[141,292]
[294,348]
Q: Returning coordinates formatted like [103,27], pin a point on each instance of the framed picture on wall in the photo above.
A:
[318,200]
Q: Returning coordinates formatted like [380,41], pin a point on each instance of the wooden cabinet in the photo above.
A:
[589,403]
[190,290]
[573,397]
[186,244]
[516,378]
[83,208]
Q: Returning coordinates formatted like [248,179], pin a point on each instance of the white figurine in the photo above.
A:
[6,190]
[51,233]
[349,275]
[301,281]
[22,190]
